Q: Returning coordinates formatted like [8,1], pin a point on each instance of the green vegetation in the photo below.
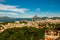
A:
[57,26]
[53,26]
[23,33]
[5,23]
[23,21]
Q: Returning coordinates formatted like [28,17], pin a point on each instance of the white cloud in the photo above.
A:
[38,9]
[5,13]
[12,11]
[15,15]
[9,14]
[12,8]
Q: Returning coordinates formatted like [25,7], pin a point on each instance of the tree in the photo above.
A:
[23,33]
[57,26]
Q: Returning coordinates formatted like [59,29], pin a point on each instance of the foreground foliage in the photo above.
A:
[23,33]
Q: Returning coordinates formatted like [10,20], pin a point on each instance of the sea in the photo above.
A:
[15,19]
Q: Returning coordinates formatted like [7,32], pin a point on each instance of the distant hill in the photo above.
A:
[54,18]
[9,19]
[6,19]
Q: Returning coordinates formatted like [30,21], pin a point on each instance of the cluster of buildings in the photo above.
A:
[49,34]
[37,24]
[18,24]
[52,35]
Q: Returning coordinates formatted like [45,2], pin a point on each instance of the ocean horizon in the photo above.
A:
[15,19]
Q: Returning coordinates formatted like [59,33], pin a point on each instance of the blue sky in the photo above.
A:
[29,8]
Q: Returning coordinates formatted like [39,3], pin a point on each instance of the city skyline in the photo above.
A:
[29,8]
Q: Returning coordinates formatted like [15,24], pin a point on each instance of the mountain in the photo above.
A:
[55,18]
[8,19]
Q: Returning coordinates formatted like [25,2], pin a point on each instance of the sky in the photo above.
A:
[29,8]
